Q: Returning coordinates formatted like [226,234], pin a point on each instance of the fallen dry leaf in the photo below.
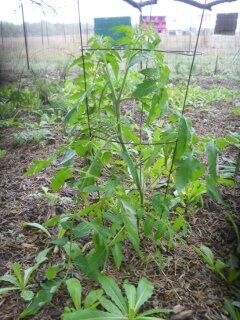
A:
[178,308]
[187,314]
[28,246]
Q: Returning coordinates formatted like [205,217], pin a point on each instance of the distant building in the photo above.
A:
[158,22]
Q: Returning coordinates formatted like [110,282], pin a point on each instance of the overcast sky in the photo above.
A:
[179,15]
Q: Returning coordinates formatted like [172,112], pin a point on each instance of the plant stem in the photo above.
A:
[117,104]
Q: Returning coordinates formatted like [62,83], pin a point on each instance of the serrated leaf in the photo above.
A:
[144,89]
[131,294]
[75,290]
[27,295]
[27,274]
[110,306]
[17,270]
[5,290]
[114,292]
[11,279]
[144,292]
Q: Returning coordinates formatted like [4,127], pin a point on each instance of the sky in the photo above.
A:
[179,15]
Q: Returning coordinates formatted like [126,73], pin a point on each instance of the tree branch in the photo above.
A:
[139,5]
[43,4]
[207,6]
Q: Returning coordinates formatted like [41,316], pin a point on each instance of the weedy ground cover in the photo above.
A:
[132,163]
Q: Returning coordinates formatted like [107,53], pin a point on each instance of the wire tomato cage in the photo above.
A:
[142,142]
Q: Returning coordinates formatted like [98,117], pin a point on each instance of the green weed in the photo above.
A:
[20,281]
[118,306]
[36,136]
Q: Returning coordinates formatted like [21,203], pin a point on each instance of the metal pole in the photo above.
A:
[64,33]
[47,31]
[42,32]
[2,34]
[25,36]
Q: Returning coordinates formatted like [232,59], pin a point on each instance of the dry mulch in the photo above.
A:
[184,281]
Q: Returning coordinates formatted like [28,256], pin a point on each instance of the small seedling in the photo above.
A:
[74,288]
[118,306]
[21,279]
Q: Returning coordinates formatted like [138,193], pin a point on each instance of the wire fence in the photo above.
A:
[46,45]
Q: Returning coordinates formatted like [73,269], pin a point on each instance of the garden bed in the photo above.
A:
[183,278]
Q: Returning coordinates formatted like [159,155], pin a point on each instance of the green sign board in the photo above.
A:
[102,26]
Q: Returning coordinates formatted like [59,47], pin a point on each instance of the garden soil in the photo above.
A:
[185,282]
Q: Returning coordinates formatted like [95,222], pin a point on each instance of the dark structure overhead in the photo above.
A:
[226,23]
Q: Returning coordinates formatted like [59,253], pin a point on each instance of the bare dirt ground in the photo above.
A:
[185,280]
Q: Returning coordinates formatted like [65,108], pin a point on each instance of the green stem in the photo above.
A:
[117,103]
